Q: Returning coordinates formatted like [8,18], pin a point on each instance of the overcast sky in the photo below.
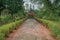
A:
[29,3]
[35,5]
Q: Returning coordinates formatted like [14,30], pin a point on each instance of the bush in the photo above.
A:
[9,18]
[53,26]
[2,36]
[6,29]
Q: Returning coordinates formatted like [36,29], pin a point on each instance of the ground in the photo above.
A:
[31,30]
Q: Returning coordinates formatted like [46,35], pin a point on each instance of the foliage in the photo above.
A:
[11,10]
[4,19]
[53,26]
[6,29]
[13,5]
[50,9]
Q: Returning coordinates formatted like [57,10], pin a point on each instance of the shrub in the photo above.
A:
[2,36]
[6,29]
[53,26]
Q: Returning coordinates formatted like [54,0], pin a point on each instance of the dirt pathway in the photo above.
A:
[31,30]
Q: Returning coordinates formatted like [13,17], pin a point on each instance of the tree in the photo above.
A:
[51,7]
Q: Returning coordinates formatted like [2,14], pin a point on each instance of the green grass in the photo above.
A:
[6,29]
[53,26]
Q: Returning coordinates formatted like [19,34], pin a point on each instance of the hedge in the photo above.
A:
[6,29]
[53,26]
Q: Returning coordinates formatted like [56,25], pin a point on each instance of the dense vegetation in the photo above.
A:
[50,10]
[11,10]
[5,30]
[49,15]
[53,26]
[11,15]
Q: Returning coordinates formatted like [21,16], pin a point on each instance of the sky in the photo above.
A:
[35,5]
[28,2]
